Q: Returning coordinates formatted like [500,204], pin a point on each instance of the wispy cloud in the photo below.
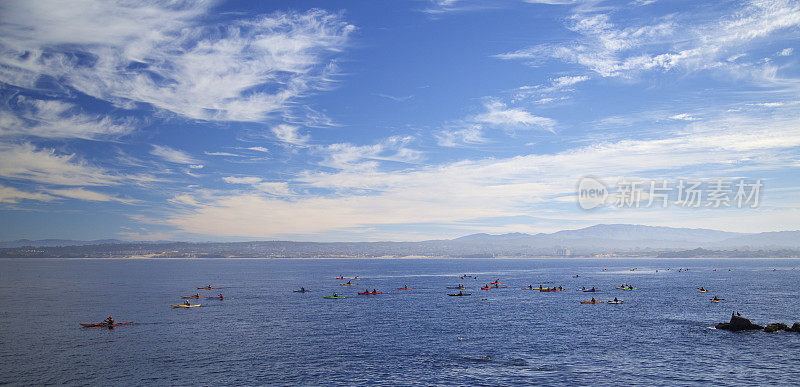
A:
[365,157]
[395,98]
[28,163]
[665,44]
[29,117]
[503,187]
[13,195]
[496,115]
[290,134]
[683,117]
[84,194]
[173,155]
[161,54]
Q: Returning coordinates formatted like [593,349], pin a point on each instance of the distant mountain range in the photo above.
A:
[616,239]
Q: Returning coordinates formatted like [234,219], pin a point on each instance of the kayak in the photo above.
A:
[368,293]
[591,290]
[457,287]
[207,288]
[185,306]
[702,291]
[459,295]
[191,297]
[485,287]
[591,302]
[495,283]
[622,288]
[301,291]
[215,298]
[341,277]
[347,284]
[332,297]
[716,300]
[404,288]
[551,289]
[106,324]
[613,302]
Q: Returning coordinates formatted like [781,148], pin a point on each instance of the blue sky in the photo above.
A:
[401,120]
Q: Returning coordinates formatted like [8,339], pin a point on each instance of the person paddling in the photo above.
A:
[109,320]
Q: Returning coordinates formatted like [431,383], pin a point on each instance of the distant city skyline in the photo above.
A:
[403,121]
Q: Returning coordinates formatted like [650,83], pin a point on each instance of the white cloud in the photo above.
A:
[222,154]
[13,195]
[683,117]
[83,194]
[666,44]
[493,188]
[498,114]
[57,119]
[786,51]
[364,157]
[160,54]
[472,134]
[26,162]
[258,149]
[274,188]
[290,135]
[174,155]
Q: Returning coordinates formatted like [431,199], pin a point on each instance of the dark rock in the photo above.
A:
[795,327]
[738,324]
[772,328]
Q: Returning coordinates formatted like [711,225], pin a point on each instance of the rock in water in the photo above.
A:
[772,328]
[738,324]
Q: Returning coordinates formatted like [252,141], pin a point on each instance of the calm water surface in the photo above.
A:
[263,333]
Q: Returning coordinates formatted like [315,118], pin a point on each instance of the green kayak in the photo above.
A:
[332,297]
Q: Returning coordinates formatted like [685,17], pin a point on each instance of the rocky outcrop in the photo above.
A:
[772,328]
[739,323]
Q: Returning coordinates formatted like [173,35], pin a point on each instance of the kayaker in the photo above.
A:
[109,320]
[702,289]
[302,289]
[220,296]
[186,302]
[716,298]
[460,293]
[593,300]
[615,299]
[335,295]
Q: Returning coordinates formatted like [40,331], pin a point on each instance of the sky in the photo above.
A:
[398,120]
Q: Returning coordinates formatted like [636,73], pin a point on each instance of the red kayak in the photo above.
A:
[208,288]
[106,324]
[366,293]
[404,288]
[485,288]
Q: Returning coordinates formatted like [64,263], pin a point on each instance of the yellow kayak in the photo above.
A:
[185,306]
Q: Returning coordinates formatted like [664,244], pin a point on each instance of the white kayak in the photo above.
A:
[185,306]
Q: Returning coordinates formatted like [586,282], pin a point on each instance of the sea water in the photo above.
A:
[264,333]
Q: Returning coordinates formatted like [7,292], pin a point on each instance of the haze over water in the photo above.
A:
[263,333]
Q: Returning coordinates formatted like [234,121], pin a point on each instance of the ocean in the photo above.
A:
[263,333]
